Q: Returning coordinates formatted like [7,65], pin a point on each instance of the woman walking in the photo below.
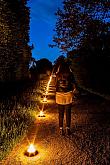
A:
[65,84]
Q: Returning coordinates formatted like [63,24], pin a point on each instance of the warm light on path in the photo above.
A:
[49,83]
[41,114]
[50,80]
[45,98]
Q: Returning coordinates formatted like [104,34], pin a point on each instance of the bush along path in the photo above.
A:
[17,114]
[89,143]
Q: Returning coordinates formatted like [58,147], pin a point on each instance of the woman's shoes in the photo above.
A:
[61,131]
[68,132]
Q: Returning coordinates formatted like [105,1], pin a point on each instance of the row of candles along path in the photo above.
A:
[31,151]
[41,114]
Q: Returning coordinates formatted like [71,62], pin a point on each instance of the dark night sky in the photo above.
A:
[42,23]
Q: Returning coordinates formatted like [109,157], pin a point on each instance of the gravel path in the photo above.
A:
[89,143]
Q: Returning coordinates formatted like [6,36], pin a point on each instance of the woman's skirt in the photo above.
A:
[64,98]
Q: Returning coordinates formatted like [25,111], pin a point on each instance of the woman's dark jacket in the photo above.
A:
[65,82]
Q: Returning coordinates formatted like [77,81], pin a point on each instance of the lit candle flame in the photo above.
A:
[45,99]
[41,113]
[46,92]
[31,149]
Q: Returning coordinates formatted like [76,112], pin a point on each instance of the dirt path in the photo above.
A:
[89,143]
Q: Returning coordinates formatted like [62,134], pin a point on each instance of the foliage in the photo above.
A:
[14,34]
[41,66]
[83,32]
[73,21]
[92,61]
[14,125]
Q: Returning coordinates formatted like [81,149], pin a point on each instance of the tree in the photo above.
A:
[73,21]
[14,33]
[82,32]
[43,65]
[91,62]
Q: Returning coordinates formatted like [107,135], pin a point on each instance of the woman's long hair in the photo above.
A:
[63,69]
